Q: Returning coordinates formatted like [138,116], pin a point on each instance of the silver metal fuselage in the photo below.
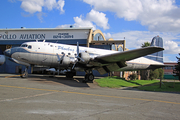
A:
[47,54]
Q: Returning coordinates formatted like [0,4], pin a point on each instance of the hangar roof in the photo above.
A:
[34,29]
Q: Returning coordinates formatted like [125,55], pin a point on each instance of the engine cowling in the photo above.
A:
[85,56]
[66,60]
[2,59]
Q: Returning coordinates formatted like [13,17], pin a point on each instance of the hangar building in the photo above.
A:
[85,36]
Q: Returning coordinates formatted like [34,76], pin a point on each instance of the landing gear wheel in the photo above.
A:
[24,74]
[69,74]
[89,77]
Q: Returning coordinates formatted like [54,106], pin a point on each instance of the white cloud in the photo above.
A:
[171,47]
[33,6]
[167,59]
[93,16]
[158,15]
[12,1]
[60,6]
[64,26]
[99,18]
[92,19]
[40,16]
[80,22]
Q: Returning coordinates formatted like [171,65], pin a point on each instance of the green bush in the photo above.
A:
[156,74]
[133,76]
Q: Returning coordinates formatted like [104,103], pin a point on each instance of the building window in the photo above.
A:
[120,49]
[113,47]
[98,37]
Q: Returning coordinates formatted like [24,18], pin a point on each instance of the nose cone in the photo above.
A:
[7,52]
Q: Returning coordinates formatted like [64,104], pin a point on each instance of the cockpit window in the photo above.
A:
[29,47]
[24,45]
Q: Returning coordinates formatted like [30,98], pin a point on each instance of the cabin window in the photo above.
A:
[51,45]
[29,47]
[62,53]
[69,53]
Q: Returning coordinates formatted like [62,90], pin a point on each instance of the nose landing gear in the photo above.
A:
[24,74]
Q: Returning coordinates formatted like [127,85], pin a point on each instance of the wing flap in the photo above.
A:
[110,67]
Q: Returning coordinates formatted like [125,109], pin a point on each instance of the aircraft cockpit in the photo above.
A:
[27,46]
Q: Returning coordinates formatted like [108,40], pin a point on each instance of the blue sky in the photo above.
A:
[136,20]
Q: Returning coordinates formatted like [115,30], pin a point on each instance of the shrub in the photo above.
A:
[133,76]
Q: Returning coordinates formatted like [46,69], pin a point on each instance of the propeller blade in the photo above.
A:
[77,48]
[77,56]
[60,59]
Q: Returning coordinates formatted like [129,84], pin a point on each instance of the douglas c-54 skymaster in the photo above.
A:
[76,58]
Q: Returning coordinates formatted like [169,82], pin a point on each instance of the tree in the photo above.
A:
[161,73]
[177,68]
[133,76]
[146,44]
[145,74]
[156,74]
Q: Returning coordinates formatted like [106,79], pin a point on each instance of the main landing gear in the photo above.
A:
[89,76]
[70,74]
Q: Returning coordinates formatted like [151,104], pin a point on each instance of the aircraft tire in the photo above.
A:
[89,77]
[69,74]
[24,74]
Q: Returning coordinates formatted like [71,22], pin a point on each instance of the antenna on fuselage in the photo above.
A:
[44,40]
[36,40]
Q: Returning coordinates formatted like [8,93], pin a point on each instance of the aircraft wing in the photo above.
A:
[128,55]
[111,62]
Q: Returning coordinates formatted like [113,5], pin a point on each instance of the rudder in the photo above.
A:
[158,56]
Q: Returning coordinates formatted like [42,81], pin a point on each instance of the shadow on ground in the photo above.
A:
[76,81]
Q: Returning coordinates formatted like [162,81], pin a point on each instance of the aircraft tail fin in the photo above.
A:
[158,56]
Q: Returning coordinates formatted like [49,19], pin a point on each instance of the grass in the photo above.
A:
[117,82]
[148,85]
[166,86]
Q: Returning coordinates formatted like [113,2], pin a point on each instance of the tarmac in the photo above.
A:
[58,98]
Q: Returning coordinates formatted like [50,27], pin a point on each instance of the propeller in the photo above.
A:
[60,59]
[77,56]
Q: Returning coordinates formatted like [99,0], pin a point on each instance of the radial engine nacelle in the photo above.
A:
[2,59]
[85,57]
[67,60]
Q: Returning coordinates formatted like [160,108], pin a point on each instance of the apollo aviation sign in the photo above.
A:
[22,36]
[41,35]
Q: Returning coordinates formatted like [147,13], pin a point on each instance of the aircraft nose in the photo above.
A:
[7,52]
